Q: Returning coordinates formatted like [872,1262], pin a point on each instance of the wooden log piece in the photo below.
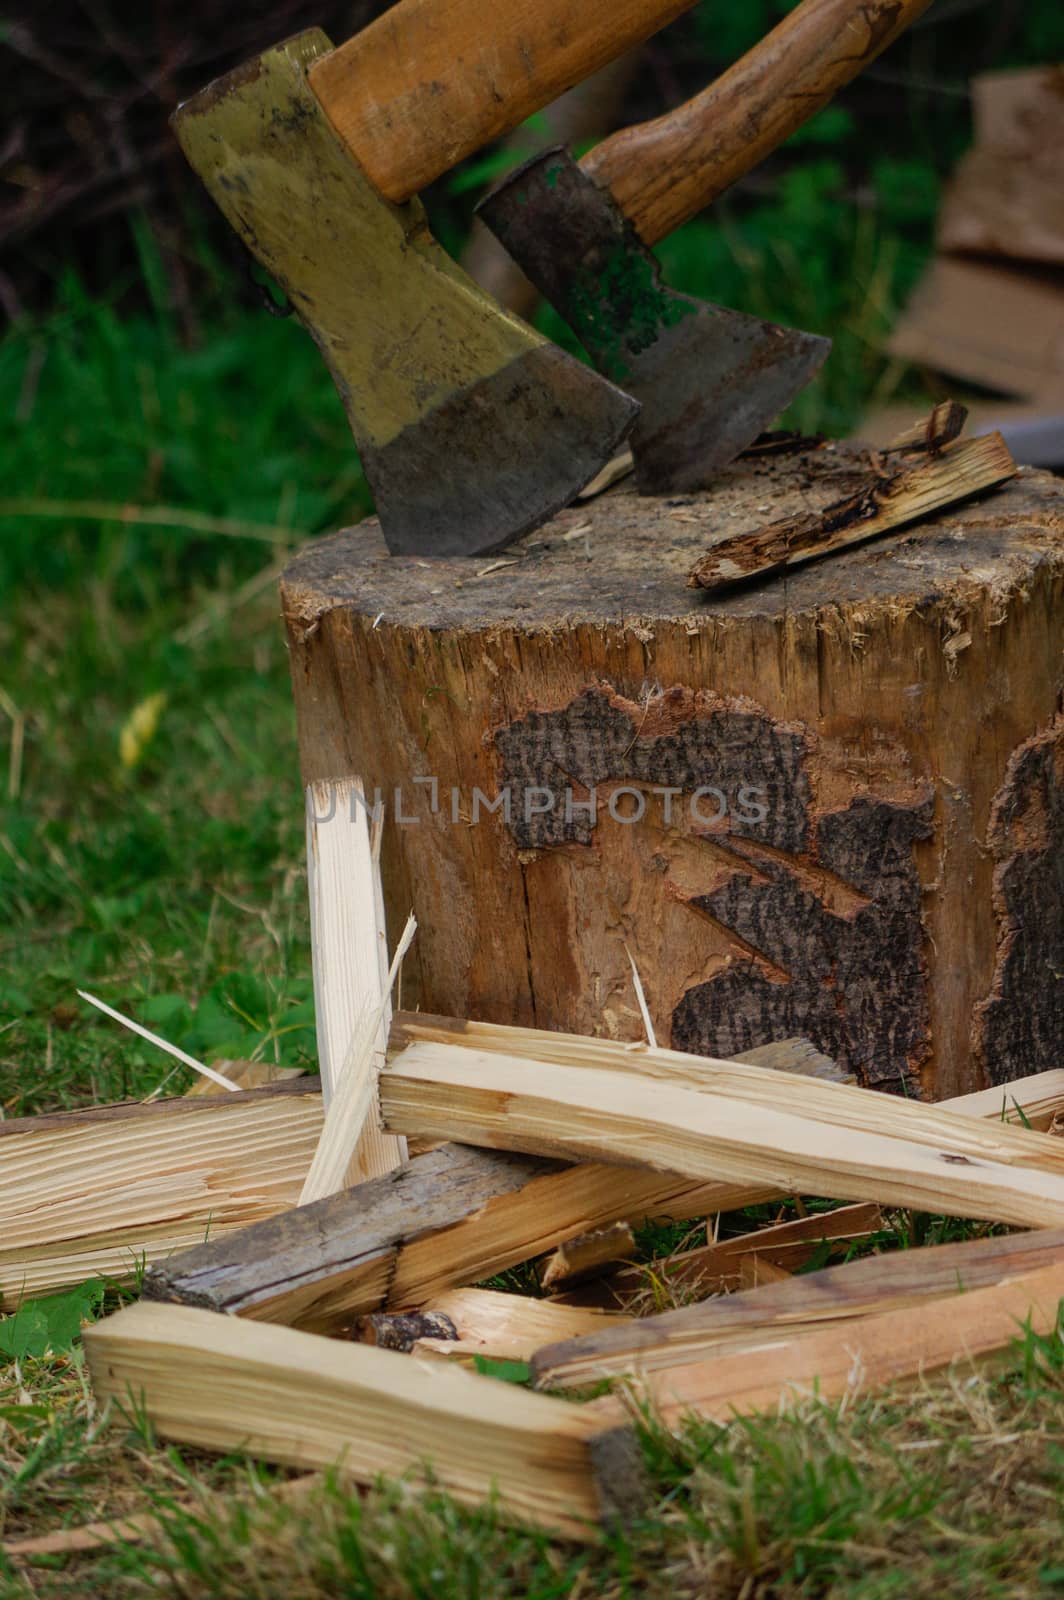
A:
[870,721]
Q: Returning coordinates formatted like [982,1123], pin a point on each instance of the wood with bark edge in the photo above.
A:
[306,1401]
[428,83]
[817,1300]
[93,1193]
[454,1216]
[876,698]
[728,1126]
[970,467]
[588,1254]
[662,172]
[969,1330]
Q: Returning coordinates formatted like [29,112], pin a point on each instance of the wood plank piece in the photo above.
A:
[729,1127]
[588,1254]
[307,1401]
[454,1216]
[969,1329]
[350,955]
[738,1322]
[91,1193]
[968,467]
[513,1326]
[717,1268]
[461,1217]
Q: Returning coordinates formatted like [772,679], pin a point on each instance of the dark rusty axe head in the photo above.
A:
[709,379]
[472,428]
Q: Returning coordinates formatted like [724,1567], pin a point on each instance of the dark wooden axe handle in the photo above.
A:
[661,173]
[431,81]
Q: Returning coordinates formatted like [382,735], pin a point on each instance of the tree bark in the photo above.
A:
[827,804]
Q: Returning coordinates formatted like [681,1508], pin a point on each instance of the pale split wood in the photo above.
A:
[352,1116]
[307,1401]
[453,1216]
[827,1299]
[244,1075]
[749,1079]
[96,1193]
[513,1326]
[728,1128]
[349,953]
[965,1330]
[966,468]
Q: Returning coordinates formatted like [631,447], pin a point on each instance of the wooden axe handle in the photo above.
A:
[431,81]
[661,173]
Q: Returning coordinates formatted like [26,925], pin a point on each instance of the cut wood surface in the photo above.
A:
[704,1119]
[587,1254]
[349,951]
[306,1401]
[876,699]
[968,1330]
[967,468]
[817,1300]
[1033,1101]
[94,1193]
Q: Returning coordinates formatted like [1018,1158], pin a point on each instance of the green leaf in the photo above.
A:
[51,1324]
[506,1371]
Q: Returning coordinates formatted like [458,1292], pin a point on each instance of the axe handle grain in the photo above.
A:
[430,81]
[662,173]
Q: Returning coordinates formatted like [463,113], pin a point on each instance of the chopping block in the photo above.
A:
[830,804]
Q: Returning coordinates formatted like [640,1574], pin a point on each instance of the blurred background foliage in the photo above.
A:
[166,442]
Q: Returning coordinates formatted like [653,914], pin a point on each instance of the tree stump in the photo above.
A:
[830,804]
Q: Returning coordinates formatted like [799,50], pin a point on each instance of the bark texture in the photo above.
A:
[779,799]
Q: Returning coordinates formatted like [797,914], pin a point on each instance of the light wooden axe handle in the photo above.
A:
[662,173]
[431,81]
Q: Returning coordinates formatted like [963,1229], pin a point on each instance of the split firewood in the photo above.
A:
[707,1119]
[400,1330]
[719,1268]
[944,423]
[817,1300]
[588,1254]
[299,1399]
[451,1217]
[511,1327]
[349,955]
[454,1216]
[972,1329]
[755,1272]
[92,1193]
[886,502]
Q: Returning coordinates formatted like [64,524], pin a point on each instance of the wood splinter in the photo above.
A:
[964,469]
[588,1254]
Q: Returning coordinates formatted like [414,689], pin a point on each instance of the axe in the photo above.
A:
[472,428]
[709,379]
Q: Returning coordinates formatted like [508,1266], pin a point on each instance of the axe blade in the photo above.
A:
[472,428]
[709,379]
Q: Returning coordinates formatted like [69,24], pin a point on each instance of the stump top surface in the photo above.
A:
[623,556]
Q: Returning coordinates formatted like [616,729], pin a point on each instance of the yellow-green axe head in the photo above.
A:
[471,427]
